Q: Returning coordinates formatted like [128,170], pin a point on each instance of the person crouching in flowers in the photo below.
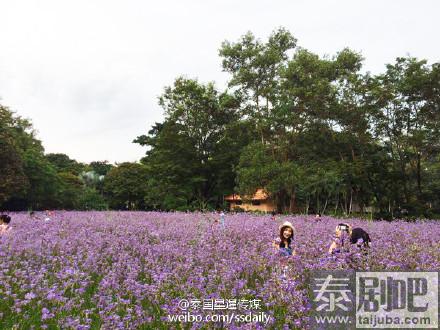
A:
[284,242]
[4,223]
[346,235]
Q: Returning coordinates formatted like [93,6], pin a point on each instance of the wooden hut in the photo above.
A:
[260,201]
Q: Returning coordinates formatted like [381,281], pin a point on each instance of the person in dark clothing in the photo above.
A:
[346,235]
[360,237]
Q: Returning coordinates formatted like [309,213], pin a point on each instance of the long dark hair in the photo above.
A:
[5,218]
[289,240]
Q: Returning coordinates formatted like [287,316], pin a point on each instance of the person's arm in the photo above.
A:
[367,240]
[5,230]
[332,247]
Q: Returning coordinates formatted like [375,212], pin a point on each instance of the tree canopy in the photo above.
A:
[318,133]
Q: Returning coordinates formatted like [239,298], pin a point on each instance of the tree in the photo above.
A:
[173,165]
[33,180]
[63,163]
[92,180]
[90,199]
[406,121]
[290,100]
[12,178]
[187,150]
[44,182]
[126,186]
[71,190]
[256,69]
[101,167]
[258,169]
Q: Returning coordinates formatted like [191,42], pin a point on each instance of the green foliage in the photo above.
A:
[90,199]
[256,68]
[258,168]
[63,163]
[43,181]
[126,186]
[12,178]
[190,158]
[330,139]
[28,180]
[315,132]
[31,180]
[71,190]
[100,168]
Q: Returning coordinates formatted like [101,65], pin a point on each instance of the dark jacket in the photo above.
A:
[360,237]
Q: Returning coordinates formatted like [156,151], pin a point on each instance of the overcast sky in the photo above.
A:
[88,72]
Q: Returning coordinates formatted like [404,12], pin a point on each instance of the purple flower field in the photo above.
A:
[128,270]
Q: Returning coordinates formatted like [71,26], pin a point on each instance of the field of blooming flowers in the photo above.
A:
[128,270]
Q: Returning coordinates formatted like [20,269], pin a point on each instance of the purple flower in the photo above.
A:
[30,296]
[110,264]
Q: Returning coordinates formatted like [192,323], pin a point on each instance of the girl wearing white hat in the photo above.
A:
[346,235]
[284,242]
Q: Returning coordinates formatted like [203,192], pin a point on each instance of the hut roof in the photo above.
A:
[260,194]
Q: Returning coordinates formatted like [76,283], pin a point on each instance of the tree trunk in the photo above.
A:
[392,212]
[325,204]
[419,176]
[317,203]
[402,164]
[281,201]
[292,202]
[351,201]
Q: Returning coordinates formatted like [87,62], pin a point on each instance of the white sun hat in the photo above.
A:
[287,224]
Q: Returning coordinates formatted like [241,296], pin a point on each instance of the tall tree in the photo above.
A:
[256,69]
[407,121]
[34,179]
[12,177]
[187,150]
